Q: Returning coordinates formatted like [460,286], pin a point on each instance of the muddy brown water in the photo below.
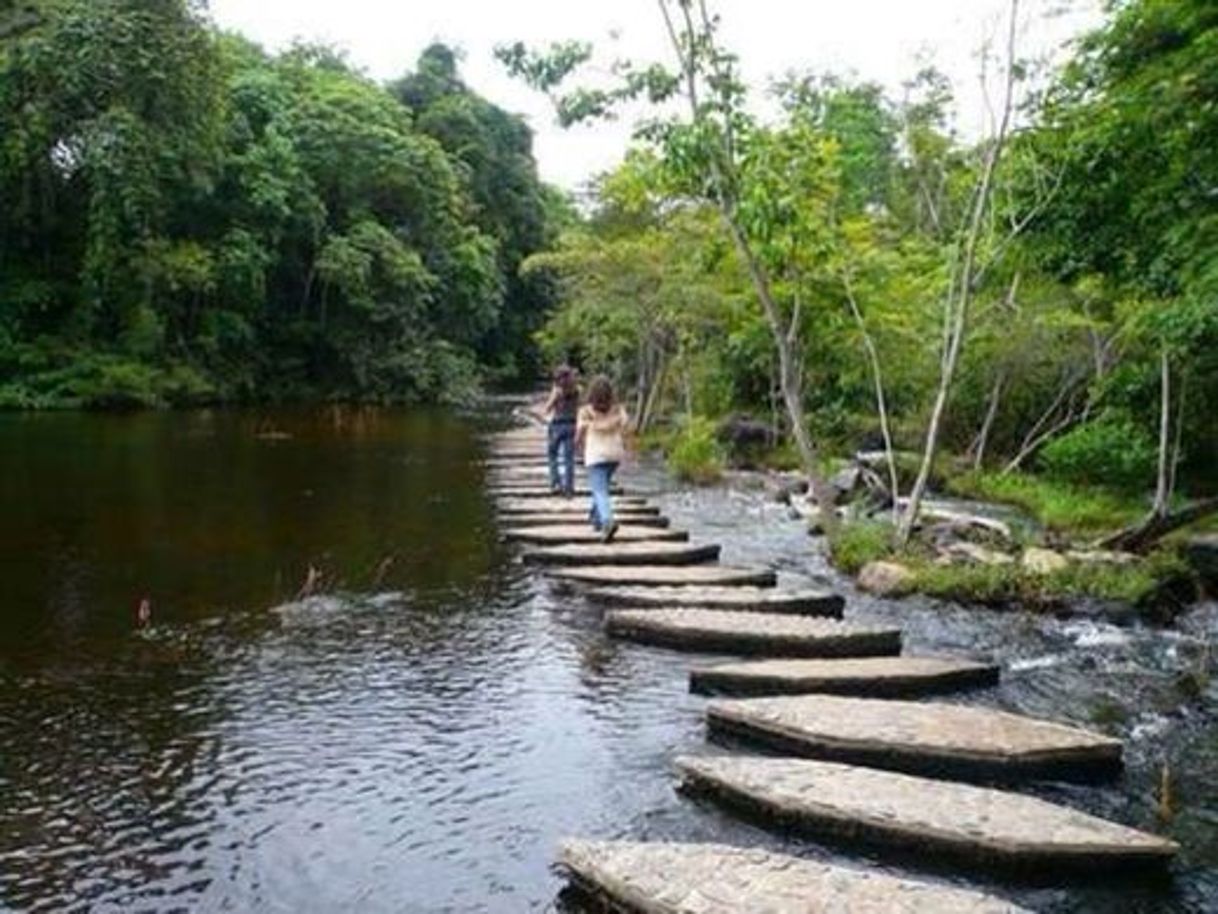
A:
[421,737]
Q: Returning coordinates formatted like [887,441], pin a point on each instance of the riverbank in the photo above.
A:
[1013,540]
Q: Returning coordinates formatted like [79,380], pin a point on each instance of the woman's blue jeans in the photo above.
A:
[560,445]
[600,480]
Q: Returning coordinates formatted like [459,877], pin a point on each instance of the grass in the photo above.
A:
[1059,506]
[853,545]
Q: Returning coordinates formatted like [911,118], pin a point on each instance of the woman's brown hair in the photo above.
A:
[600,394]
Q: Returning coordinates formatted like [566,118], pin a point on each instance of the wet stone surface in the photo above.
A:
[715,879]
[920,813]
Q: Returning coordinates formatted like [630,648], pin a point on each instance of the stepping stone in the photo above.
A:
[934,738]
[533,461]
[516,453]
[583,533]
[865,676]
[751,633]
[523,490]
[624,554]
[666,878]
[962,821]
[575,507]
[742,599]
[661,575]
[651,521]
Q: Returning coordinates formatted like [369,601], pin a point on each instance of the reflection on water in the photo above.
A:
[422,741]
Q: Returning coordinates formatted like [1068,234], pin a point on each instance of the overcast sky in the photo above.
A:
[880,40]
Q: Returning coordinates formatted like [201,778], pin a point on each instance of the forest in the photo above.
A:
[187,219]
[1026,314]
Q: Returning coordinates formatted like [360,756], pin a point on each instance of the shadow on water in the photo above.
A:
[420,736]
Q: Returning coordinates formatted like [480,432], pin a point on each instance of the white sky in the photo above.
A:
[878,40]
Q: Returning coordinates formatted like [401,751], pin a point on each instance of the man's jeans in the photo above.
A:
[561,440]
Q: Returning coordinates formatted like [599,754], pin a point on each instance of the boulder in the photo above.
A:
[846,482]
[971,552]
[885,578]
[741,433]
[1202,554]
[1043,561]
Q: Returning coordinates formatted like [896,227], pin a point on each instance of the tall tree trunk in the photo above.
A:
[789,373]
[1162,486]
[877,378]
[960,294]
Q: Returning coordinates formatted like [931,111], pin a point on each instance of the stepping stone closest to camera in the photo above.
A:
[665,878]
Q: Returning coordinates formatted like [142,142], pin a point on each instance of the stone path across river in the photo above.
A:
[661,587]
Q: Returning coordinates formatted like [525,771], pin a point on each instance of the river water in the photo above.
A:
[420,737]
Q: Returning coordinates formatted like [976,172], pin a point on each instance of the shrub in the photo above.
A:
[1110,450]
[853,545]
[1058,505]
[694,454]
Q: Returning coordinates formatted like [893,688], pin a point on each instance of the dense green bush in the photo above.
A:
[694,454]
[1111,450]
[853,545]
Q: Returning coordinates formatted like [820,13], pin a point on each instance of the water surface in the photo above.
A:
[420,736]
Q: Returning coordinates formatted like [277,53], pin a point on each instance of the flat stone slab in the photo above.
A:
[664,878]
[940,817]
[575,507]
[651,521]
[532,461]
[667,575]
[929,737]
[893,676]
[624,554]
[526,490]
[751,632]
[741,599]
[567,533]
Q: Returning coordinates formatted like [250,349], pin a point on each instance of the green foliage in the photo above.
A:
[694,454]
[853,545]
[183,217]
[1111,448]
[1000,585]
[1060,506]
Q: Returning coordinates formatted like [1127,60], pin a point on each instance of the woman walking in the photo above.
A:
[600,431]
[560,411]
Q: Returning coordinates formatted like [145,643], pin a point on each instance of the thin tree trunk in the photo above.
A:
[1162,488]
[1153,527]
[1176,445]
[1038,434]
[877,378]
[961,295]
[790,380]
[987,424]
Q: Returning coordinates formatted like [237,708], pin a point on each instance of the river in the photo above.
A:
[420,737]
